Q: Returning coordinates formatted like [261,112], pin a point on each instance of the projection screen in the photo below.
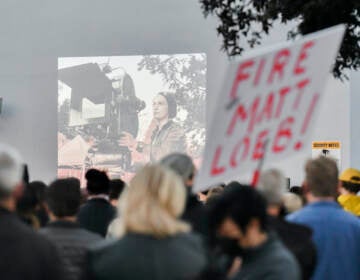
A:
[118,113]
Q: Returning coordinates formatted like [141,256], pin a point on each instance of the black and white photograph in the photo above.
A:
[118,113]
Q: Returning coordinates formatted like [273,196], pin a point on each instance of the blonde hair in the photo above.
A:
[292,202]
[153,202]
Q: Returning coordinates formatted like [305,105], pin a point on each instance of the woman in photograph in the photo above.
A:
[166,135]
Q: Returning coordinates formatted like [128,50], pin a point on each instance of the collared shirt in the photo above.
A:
[336,235]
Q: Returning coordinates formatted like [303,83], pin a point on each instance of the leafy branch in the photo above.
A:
[250,20]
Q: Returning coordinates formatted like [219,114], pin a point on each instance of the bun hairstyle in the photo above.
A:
[171,102]
[97,182]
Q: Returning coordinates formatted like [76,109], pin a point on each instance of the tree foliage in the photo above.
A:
[251,19]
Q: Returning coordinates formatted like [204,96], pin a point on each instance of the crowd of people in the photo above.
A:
[155,227]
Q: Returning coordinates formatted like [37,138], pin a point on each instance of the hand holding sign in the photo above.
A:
[274,97]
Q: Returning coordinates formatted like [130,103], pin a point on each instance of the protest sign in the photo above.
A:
[270,96]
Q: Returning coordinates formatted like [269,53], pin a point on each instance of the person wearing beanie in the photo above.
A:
[350,186]
[194,213]
[164,134]
[297,238]
[97,213]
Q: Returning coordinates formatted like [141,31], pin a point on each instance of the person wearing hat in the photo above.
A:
[166,135]
[195,213]
[296,238]
[350,186]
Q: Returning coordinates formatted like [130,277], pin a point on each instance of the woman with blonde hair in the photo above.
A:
[154,243]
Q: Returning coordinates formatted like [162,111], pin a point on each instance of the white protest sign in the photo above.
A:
[272,97]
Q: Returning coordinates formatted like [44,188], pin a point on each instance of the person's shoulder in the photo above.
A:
[298,231]
[300,215]
[189,237]
[293,217]
[45,230]
[10,223]
[41,244]
[341,217]
[349,218]
[282,257]
[89,236]
[172,123]
[189,242]
[287,269]
[102,255]
[70,230]
[276,262]
[26,233]
[96,204]
[83,208]
[175,127]
[190,250]
[101,203]
[104,249]
[107,251]
[103,245]
[111,207]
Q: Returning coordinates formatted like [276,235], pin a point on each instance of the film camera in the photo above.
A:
[103,105]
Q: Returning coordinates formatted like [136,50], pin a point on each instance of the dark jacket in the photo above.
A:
[298,239]
[96,215]
[195,214]
[24,254]
[269,261]
[72,243]
[139,257]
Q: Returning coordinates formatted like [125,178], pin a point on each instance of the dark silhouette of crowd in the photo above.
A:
[156,227]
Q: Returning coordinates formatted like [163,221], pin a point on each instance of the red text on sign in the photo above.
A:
[271,69]
[272,108]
